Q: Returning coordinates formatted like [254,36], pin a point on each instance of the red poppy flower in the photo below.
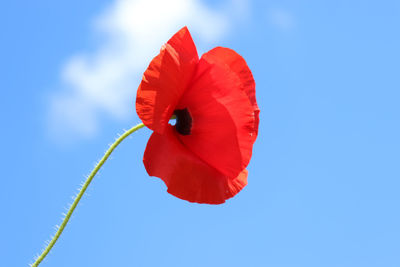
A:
[202,158]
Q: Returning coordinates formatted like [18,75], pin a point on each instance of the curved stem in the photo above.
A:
[82,191]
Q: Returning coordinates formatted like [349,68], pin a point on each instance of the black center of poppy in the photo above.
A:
[183,123]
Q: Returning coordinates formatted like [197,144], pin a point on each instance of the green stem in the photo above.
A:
[82,191]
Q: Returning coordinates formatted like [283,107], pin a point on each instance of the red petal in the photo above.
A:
[223,117]
[186,176]
[222,55]
[165,80]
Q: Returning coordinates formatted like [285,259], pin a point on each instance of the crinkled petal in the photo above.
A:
[165,80]
[237,64]
[223,117]
[186,175]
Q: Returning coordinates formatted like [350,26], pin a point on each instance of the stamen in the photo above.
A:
[183,121]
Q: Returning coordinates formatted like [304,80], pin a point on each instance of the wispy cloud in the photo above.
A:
[281,18]
[103,83]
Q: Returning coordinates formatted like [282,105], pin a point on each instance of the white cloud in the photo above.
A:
[104,82]
[280,18]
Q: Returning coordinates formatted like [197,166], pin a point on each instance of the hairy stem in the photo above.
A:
[82,191]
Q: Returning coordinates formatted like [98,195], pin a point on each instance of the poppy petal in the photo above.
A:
[223,55]
[165,80]
[187,176]
[223,118]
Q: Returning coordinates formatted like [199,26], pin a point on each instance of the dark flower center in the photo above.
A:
[183,123]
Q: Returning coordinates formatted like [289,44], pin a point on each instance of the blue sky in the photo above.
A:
[324,177]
